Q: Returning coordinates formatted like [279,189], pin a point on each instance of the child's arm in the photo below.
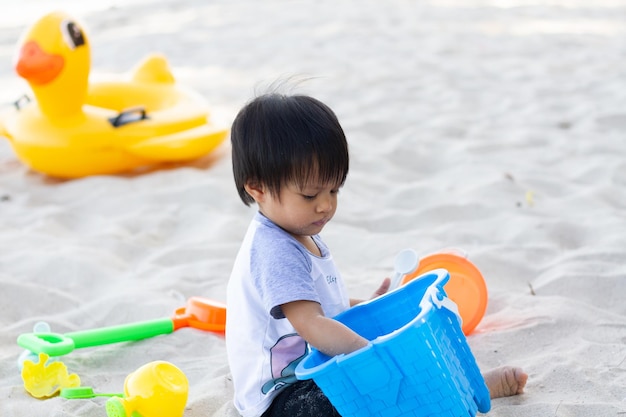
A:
[325,334]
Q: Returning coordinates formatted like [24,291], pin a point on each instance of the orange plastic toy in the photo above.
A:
[466,286]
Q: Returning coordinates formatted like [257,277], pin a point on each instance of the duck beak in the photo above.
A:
[36,65]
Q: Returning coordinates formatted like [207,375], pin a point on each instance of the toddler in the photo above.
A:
[290,157]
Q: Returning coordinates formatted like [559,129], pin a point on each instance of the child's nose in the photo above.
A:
[325,204]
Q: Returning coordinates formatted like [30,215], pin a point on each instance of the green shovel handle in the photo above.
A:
[54,344]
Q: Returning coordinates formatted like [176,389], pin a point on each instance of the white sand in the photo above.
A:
[495,126]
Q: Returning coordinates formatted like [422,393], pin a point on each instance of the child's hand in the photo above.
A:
[384,287]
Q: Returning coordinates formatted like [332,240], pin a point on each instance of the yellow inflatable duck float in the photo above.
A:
[75,129]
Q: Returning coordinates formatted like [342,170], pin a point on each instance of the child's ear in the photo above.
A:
[256,191]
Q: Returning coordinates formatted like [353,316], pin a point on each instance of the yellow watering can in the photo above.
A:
[157,389]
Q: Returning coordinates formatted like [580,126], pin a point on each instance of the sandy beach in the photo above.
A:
[494,126]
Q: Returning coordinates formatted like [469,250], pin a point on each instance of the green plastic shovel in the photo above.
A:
[200,313]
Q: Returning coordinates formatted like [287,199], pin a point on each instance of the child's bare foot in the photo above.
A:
[505,381]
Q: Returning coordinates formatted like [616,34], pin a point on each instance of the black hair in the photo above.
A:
[280,138]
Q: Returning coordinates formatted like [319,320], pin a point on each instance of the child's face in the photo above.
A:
[301,211]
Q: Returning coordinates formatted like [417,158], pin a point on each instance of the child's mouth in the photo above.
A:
[321,222]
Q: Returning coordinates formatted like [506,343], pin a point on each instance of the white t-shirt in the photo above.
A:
[272,268]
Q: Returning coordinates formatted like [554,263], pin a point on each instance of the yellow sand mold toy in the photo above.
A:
[45,379]
[74,128]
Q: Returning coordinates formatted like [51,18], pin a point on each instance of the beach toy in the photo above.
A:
[27,355]
[81,393]
[74,128]
[406,261]
[43,379]
[466,287]
[200,313]
[157,389]
[417,362]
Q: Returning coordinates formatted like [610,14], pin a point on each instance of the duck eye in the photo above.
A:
[72,34]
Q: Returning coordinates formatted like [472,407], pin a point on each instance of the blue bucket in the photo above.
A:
[418,362]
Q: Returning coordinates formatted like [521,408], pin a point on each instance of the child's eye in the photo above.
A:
[309,197]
